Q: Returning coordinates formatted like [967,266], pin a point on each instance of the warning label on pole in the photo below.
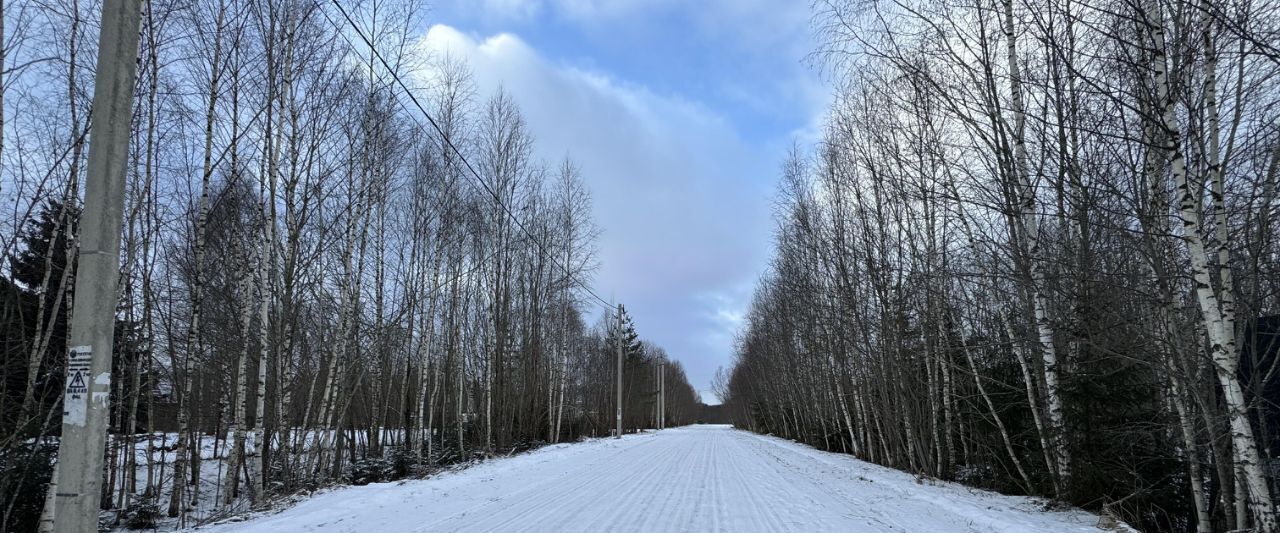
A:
[76,401]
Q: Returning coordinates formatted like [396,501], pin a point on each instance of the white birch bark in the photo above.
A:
[194,343]
[1031,245]
[1215,302]
[238,418]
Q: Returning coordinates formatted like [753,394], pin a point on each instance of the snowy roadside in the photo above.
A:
[209,506]
[957,498]
[286,503]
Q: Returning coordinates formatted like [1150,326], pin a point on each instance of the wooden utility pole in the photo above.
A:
[77,486]
[618,435]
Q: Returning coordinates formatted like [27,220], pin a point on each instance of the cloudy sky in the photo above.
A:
[679,113]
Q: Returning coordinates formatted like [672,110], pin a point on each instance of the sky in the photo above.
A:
[679,114]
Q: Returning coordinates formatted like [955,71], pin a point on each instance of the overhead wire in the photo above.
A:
[449,145]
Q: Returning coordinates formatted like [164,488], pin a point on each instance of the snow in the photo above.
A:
[214,458]
[699,478]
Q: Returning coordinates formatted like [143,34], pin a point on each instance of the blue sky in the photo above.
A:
[679,113]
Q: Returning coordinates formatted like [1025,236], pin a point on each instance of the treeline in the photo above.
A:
[318,286]
[1035,251]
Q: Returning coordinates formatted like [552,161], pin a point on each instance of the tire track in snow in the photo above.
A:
[553,493]
[566,483]
[628,499]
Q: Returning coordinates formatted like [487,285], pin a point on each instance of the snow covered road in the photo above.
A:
[700,478]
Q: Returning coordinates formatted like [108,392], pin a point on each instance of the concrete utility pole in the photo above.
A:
[662,393]
[618,435]
[77,487]
[657,392]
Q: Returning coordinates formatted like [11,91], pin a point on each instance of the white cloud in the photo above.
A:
[763,25]
[576,10]
[504,9]
[589,10]
[683,202]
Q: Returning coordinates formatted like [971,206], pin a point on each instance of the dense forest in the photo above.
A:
[341,263]
[1036,251]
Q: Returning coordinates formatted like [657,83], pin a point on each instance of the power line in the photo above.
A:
[449,145]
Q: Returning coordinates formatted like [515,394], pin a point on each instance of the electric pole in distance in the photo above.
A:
[78,482]
[662,393]
[618,435]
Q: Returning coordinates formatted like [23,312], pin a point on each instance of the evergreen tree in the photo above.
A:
[38,268]
[631,346]
[28,265]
